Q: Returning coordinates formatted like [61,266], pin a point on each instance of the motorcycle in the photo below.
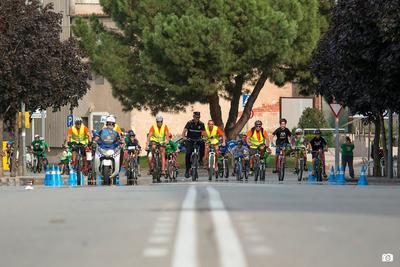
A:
[107,163]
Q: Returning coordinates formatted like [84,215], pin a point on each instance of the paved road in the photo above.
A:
[200,224]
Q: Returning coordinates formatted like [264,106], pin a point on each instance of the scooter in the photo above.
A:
[107,163]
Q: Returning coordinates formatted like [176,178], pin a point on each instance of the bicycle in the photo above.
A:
[223,166]
[259,165]
[194,158]
[299,151]
[39,162]
[78,148]
[156,163]
[211,162]
[172,170]
[281,163]
[91,175]
[318,165]
[132,171]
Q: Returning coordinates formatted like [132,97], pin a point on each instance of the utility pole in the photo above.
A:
[390,145]
[23,137]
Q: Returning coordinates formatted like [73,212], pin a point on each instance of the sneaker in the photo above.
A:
[187,175]
[250,173]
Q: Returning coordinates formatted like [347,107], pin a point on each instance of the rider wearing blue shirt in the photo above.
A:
[108,138]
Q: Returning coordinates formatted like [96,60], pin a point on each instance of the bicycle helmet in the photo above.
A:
[258,123]
[78,120]
[131,133]
[37,136]
[110,119]
[159,119]
[317,131]
[298,130]
[239,143]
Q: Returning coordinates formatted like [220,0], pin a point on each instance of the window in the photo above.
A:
[87,1]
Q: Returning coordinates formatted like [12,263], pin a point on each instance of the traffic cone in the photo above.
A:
[362,181]
[332,178]
[340,177]
[311,178]
[99,180]
[60,181]
[47,177]
[53,181]
[71,177]
[82,179]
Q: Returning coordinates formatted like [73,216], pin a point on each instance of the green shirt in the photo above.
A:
[347,149]
[171,147]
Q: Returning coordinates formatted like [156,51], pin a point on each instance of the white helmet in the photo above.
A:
[298,130]
[110,119]
[159,119]
[37,136]
[78,119]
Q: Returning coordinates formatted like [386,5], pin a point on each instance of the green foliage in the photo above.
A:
[35,66]
[173,53]
[312,118]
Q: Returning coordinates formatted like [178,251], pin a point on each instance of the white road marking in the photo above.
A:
[230,250]
[255,238]
[185,250]
[159,239]
[155,252]
[261,250]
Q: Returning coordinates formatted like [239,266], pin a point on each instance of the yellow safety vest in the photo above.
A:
[81,137]
[213,135]
[254,140]
[159,134]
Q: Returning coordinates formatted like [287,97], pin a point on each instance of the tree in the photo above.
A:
[356,61]
[35,66]
[312,118]
[169,54]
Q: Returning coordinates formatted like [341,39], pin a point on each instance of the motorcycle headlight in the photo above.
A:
[109,153]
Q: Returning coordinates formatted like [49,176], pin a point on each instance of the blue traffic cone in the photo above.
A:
[60,181]
[47,177]
[362,181]
[53,175]
[82,179]
[311,178]
[99,180]
[340,177]
[332,178]
[71,177]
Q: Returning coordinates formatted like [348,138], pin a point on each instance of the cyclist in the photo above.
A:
[193,130]
[79,135]
[257,137]
[282,139]
[116,128]
[212,134]
[65,158]
[240,150]
[171,147]
[158,133]
[318,145]
[299,142]
[39,147]
[131,140]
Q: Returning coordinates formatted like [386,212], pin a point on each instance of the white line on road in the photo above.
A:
[155,252]
[185,250]
[230,250]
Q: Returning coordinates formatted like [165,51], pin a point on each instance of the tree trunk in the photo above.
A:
[235,130]
[13,171]
[384,142]
[215,110]
[375,148]
[234,109]
[1,145]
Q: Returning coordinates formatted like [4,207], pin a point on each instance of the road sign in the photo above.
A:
[70,120]
[336,108]
[245,97]
[38,114]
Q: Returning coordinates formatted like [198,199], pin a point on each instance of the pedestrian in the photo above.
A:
[347,156]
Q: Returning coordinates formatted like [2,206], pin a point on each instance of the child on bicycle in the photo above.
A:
[299,144]
[171,149]
[65,158]
[318,145]
[130,140]
[240,151]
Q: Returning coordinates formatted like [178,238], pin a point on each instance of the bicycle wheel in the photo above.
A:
[246,171]
[262,172]
[225,168]
[238,171]
[195,164]
[256,170]
[211,167]
[156,169]
[171,170]
[319,172]
[300,170]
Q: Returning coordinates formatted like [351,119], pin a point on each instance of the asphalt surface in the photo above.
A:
[199,224]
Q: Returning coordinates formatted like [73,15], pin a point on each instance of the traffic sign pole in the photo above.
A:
[336,109]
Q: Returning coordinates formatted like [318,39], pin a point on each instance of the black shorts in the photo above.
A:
[75,147]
